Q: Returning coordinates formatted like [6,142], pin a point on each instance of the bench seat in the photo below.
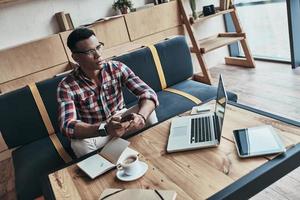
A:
[22,126]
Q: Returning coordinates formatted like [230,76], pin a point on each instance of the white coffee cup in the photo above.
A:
[130,165]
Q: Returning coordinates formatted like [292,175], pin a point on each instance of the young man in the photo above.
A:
[91,104]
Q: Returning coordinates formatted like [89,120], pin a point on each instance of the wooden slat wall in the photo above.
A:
[112,32]
[154,38]
[31,57]
[64,37]
[153,20]
[35,77]
[6,1]
[41,59]
[151,39]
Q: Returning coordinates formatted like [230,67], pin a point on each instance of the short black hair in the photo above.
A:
[77,35]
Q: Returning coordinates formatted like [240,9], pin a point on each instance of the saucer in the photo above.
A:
[123,177]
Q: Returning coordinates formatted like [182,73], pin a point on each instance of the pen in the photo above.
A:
[206,110]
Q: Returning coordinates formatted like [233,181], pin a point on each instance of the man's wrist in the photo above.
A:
[144,118]
[102,130]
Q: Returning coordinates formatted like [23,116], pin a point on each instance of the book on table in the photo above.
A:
[112,153]
[135,194]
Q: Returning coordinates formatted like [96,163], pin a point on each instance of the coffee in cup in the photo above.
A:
[130,165]
[130,160]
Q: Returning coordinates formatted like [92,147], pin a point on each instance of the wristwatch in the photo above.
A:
[102,130]
[144,118]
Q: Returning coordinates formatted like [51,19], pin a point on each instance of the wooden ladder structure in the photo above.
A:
[156,23]
[202,46]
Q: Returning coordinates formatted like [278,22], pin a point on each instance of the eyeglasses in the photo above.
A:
[91,52]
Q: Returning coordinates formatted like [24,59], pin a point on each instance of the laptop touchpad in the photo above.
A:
[180,131]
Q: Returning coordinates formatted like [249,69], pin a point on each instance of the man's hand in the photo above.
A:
[115,128]
[136,123]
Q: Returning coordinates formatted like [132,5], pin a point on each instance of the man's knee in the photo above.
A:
[81,147]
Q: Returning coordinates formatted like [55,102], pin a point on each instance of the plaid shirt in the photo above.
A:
[81,100]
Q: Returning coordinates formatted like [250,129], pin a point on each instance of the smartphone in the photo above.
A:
[127,117]
[257,141]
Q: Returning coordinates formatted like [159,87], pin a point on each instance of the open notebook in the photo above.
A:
[112,153]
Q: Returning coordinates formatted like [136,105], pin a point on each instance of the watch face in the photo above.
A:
[102,130]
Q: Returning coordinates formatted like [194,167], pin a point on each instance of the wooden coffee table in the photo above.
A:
[214,173]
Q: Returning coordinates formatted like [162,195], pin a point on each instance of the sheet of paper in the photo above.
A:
[95,165]
[113,149]
[201,109]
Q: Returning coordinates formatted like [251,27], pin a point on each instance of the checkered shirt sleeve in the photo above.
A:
[136,85]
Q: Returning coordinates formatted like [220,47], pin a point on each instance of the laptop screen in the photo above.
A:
[220,105]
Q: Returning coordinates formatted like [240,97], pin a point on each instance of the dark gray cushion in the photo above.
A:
[31,162]
[201,91]
[173,104]
[21,122]
[47,91]
[142,64]
[175,59]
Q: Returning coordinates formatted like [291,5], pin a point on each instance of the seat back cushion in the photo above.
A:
[142,64]
[47,91]
[21,121]
[175,58]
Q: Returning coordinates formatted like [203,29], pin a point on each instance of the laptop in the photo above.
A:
[199,131]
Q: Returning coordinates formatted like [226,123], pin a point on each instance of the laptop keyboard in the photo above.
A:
[201,130]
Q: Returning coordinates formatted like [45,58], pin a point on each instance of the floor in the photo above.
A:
[274,88]
[270,87]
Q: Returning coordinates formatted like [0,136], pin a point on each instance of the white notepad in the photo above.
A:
[112,153]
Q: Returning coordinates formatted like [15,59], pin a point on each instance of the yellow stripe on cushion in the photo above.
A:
[163,80]
[158,66]
[186,95]
[43,112]
[39,102]
[60,149]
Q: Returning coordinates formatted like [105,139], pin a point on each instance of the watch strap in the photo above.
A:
[142,117]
